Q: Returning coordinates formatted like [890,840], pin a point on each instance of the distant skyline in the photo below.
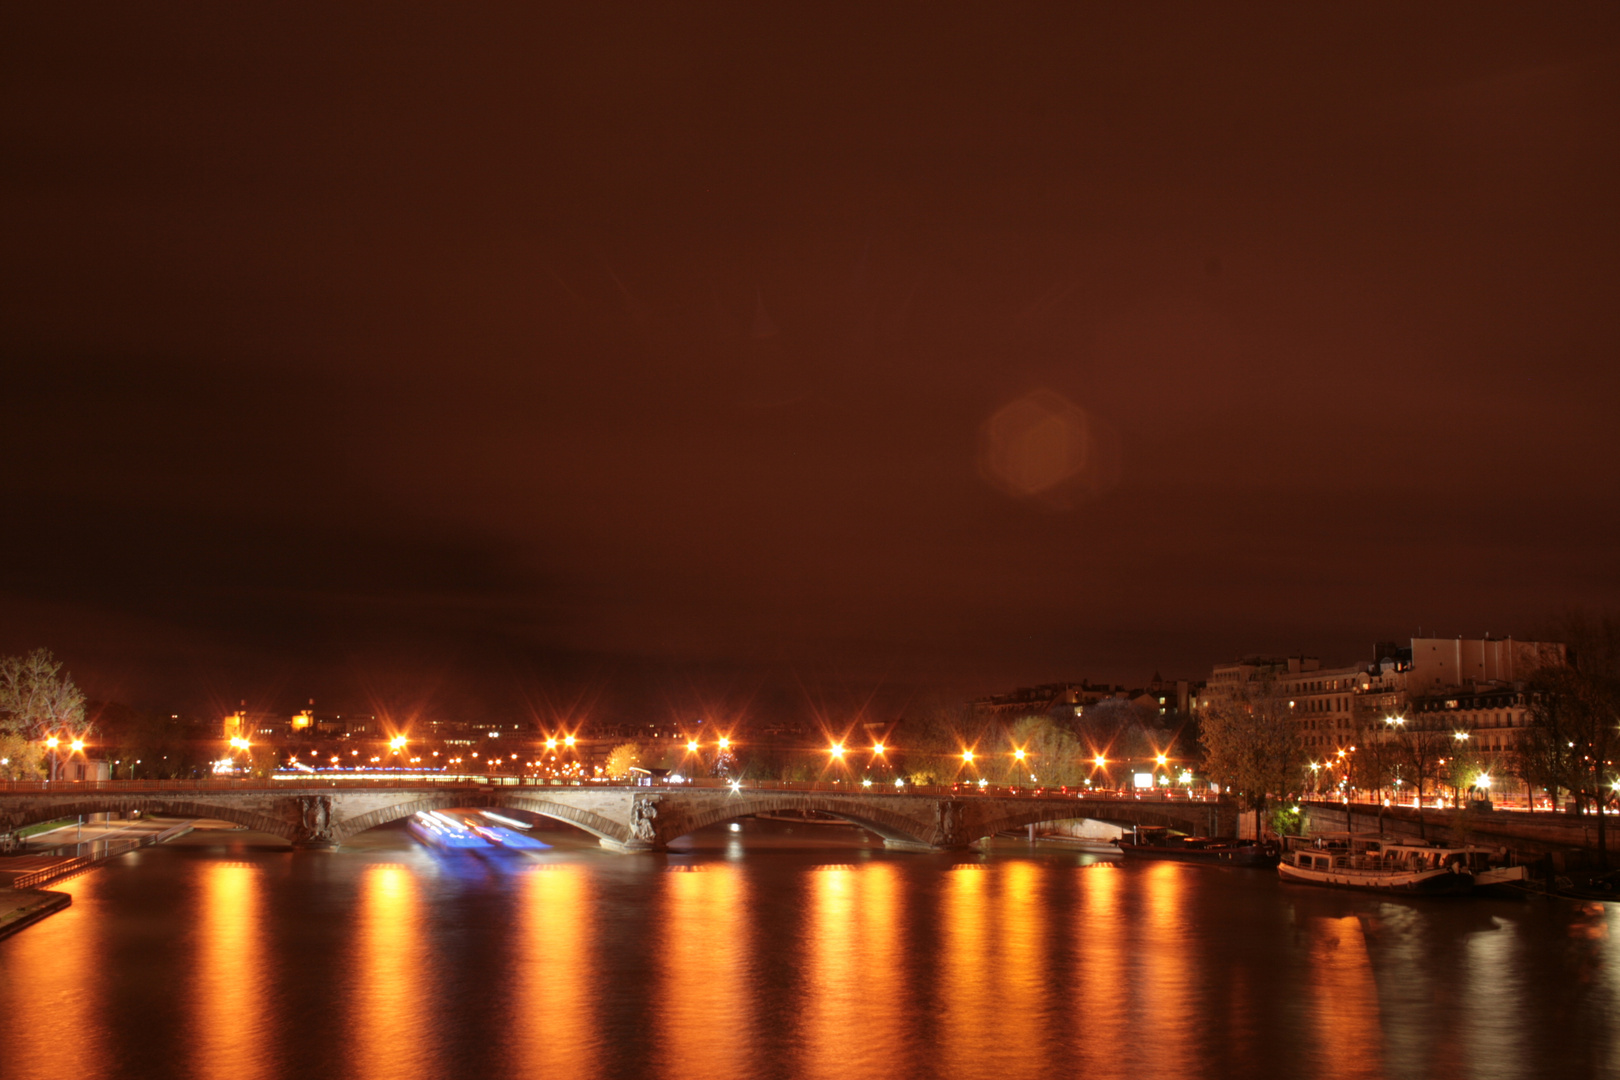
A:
[634,359]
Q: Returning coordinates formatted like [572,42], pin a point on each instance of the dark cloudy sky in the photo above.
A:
[475,356]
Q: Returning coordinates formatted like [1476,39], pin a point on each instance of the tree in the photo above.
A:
[1372,765]
[1051,752]
[1116,729]
[934,731]
[621,757]
[38,698]
[19,758]
[1574,734]
[1253,746]
[1417,756]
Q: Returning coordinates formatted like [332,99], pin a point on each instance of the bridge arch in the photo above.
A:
[874,818]
[146,804]
[413,803]
[594,824]
[598,826]
[1196,818]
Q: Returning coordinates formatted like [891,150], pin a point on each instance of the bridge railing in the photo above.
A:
[442,781]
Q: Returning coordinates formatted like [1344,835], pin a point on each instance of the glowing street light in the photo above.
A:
[691,746]
[836,749]
[877,749]
[1099,761]
[551,744]
[397,743]
[1018,755]
[967,757]
[725,743]
[1460,736]
[568,741]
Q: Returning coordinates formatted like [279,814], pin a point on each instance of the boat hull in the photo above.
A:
[1442,882]
[1257,858]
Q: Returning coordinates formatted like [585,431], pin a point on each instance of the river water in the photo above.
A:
[783,951]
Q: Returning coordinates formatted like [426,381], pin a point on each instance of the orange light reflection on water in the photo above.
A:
[51,988]
[390,990]
[704,998]
[854,974]
[1346,1033]
[992,1007]
[1098,936]
[229,992]
[556,996]
[1165,983]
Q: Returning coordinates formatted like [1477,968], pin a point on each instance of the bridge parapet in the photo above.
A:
[623,818]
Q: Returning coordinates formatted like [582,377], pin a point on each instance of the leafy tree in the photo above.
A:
[37,697]
[1253,747]
[1052,752]
[20,759]
[1574,734]
[933,732]
[621,757]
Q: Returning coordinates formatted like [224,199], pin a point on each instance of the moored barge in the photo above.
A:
[1376,863]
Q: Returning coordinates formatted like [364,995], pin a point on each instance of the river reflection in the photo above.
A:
[229,1039]
[853,1004]
[389,993]
[753,955]
[705,999]
[556,986]
[52,995]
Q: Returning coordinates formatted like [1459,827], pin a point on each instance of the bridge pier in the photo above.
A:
[629,847]
[920,848]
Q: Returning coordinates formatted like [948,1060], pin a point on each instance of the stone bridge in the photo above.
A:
[622,818]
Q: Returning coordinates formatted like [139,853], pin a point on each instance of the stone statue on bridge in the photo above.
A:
[948,822]
[315,821]
[642,812]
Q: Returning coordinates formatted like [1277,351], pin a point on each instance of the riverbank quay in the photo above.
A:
[20,908]
[1566,841]
[23,898]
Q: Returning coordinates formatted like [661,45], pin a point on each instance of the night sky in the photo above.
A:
[676,357]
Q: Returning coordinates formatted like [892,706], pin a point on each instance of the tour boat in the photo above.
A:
[1379,863]
[1159,843]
